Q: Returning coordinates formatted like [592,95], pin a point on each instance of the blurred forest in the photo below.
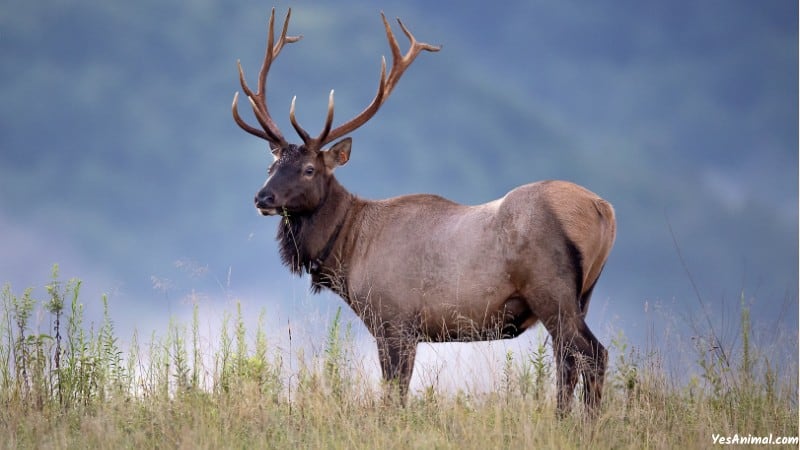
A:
[120,161]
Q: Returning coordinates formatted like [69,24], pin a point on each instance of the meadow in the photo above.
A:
[68,384]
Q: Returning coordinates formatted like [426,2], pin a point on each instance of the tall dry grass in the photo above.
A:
[64,384]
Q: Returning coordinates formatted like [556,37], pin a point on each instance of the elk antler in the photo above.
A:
[400,63]
[258,99]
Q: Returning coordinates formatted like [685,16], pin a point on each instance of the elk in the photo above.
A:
[421,268]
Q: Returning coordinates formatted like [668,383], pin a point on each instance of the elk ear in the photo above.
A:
[339,154]
[275,149]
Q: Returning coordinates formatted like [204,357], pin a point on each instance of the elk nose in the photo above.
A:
[265,198]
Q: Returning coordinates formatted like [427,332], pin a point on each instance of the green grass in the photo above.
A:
[64,384]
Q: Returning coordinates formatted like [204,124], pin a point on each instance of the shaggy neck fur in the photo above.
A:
[311,242]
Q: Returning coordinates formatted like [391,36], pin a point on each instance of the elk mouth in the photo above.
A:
[268,211]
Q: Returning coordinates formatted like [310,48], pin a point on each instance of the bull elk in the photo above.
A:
[421,268]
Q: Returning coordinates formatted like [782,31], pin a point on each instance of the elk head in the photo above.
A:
[300,175]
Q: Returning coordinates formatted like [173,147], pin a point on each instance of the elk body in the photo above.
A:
[420,268]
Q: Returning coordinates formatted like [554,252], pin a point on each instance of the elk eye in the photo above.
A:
[309,171]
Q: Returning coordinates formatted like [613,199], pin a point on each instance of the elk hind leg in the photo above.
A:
[577,352]
[566,374]
[593,370]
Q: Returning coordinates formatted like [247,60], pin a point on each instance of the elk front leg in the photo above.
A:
[396,354]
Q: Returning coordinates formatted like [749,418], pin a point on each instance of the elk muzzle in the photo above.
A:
[266,202]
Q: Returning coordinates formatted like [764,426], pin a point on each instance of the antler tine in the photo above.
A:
[328,119]
[284,38]
[271,132]
[400,63]
[257,100]
[273,48]
[361,119]
[243,125]
[315,143]
[303,133]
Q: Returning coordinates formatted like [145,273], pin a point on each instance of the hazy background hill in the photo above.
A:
[120,161]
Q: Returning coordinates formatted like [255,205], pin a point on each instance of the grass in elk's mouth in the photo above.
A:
[64,383]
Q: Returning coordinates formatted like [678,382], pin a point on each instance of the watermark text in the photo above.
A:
[749,439]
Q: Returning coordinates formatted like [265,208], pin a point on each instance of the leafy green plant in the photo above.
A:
[335,361]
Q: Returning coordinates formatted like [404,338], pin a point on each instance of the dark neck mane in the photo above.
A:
[312,242]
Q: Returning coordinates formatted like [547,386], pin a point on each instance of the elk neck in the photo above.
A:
[314,242]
